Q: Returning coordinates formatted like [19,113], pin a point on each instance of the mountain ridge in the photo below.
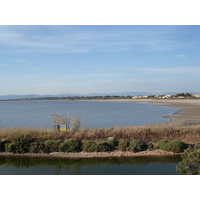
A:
[32,96]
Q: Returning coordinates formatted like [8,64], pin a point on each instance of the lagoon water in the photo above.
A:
[89,166]
[94,114]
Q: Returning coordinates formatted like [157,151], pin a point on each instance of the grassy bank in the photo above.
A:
[134,139]
[186,134]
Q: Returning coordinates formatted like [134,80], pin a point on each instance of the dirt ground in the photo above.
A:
[155,152]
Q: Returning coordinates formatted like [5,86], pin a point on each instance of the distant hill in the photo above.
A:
[13,96]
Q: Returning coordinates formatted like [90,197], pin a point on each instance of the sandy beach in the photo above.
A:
[188,113]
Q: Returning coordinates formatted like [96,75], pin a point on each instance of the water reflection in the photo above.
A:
[89,166]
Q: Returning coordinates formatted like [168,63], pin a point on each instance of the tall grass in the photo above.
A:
[187,134]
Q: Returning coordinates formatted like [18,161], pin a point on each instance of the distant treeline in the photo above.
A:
[179,95]
[73,98]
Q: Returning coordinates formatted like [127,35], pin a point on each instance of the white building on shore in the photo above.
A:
[196,95]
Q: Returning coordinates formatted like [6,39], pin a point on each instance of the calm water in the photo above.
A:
[89,166]
[93,113]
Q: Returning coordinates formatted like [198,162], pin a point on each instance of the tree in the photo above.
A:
[190,163]
[60,120]
[76,122]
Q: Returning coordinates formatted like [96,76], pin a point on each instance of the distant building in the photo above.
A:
[196,95]
[139,97]
[166,96]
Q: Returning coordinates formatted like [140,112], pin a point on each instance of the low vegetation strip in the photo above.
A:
[25,144]
[134,139]
[153,134]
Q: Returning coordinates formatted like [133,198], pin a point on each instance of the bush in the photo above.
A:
[190,162]
[89,146]
[123,145]
[22,143]
[51,146]
[103,147]
[161,143]
[10,147]
[70,145]
[136,145]
[197,146]
[174,146]
[37,147]
[112,142]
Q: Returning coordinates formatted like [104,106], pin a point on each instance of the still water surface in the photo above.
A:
[93,114]
[89,166]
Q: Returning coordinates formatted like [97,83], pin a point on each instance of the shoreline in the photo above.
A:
[188,112]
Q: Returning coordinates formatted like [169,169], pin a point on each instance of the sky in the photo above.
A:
[84,59]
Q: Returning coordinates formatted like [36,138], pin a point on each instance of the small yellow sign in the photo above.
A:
[62,127]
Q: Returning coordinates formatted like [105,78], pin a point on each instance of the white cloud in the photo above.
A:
[4,65]
[113,74]
[56,39]
[51,84]
[181,55]
[100,81]
[176,70]
[21,60]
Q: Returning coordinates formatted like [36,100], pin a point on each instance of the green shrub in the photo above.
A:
[189,164]
[22,143]
[136,145]
[37,147]
[70,145]
[89,146]
[112,142]
[161,143]
[197,146]
[103,147]
[174,146]
[10,147]
[51,146]
[123,145]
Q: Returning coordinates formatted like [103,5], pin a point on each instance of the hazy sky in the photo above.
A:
[99,59]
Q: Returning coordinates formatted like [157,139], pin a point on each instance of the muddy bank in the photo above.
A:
[156,152]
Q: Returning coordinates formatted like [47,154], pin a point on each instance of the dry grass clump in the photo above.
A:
[187,134]
[36,133]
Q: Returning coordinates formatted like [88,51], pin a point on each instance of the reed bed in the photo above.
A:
[187,134]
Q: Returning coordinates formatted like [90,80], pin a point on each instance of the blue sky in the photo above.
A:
[99,59]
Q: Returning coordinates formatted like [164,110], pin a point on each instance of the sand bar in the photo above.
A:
[188,113]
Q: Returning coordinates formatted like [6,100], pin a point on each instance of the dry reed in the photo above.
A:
[187,134]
